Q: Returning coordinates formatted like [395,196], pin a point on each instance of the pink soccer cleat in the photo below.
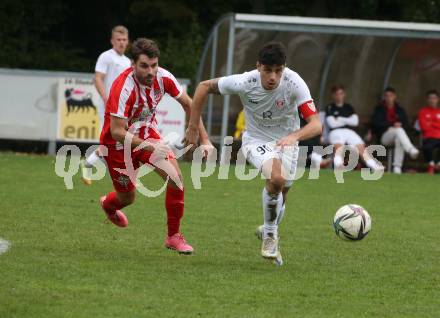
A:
[116,217]
[177,242]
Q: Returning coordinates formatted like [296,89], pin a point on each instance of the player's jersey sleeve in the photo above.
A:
[171,85]
[233,84]
[304,100]
[122,97]
[102,64]
[301,92]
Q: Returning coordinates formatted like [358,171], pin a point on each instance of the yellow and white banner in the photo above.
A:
[78,118]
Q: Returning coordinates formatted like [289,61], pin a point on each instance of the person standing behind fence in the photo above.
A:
[389,122]
[109,65]
[429,120]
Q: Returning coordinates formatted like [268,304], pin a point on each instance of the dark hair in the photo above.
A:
[432,92]
[273,53]
[390,90]
[144,46]
[337,87]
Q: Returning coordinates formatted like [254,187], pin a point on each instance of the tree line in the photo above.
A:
[69,35]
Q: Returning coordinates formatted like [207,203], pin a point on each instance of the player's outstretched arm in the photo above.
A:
[199,100]
[311,129]
[186,103]
[120,133]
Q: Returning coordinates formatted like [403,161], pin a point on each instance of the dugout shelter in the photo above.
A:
[365,56]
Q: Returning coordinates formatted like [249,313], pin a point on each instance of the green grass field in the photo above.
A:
[64,260]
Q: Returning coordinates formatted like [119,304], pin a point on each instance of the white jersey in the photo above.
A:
[111,64]
[270,114]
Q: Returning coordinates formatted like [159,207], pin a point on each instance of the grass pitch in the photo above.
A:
[64,261]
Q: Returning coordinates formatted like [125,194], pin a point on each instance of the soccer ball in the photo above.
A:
[352,222]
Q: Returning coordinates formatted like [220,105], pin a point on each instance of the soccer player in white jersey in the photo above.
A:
[109,65]
[273,97]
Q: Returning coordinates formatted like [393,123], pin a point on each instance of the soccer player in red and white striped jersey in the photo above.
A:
[130,121]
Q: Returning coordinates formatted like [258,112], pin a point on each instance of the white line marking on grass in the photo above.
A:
[4,245]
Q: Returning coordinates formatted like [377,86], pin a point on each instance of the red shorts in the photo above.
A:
[115,160]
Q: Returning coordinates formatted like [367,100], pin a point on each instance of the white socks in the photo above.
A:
[280,216]
[316,159]
[371,163]
[338,161]
[92,159]
[272,205]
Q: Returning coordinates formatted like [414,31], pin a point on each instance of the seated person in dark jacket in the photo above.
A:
[389,123]
[341,119]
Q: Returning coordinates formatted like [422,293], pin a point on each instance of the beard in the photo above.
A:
[149,80]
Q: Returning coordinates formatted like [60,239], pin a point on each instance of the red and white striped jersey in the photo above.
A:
[137,103]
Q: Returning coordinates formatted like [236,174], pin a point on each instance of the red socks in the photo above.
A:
[111,202]
[174,203]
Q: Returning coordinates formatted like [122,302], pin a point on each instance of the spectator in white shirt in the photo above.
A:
[109,65]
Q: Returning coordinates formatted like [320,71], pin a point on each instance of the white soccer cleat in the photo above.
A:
[414,153]
[269,248]
[86,173]
[397,170]
[279,259]
[378,168]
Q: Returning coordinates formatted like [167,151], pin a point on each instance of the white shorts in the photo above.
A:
[258,152]
[344,136]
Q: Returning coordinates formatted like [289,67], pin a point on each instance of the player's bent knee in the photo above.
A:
[277,181]
[288,183]
[400,131]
